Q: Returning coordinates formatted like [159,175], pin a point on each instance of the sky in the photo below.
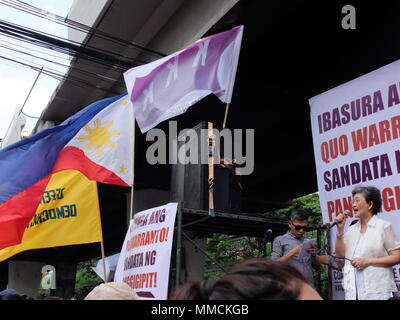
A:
[16,80]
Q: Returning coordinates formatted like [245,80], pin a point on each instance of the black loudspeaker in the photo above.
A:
[189,182]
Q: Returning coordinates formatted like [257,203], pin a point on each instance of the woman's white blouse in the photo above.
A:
[379,239]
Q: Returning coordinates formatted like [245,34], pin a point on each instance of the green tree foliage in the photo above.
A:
[309,202]
[86,279]
[228,250]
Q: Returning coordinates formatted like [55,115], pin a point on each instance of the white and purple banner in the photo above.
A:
[145,256]
[356,134]
[167,87]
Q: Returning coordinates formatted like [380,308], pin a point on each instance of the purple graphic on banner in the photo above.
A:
[167,87]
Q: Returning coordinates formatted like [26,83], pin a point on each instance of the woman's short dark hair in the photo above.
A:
[254,279]
[371,194]
[298,214]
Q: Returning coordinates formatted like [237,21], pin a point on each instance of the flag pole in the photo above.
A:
[211,145]
[131,206]
[30,91]
[102,242]
[226,115]
[132,150]
[104,261]
[237,42]
[23,105]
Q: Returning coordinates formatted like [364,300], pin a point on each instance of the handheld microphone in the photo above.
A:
[268,235]
[330,226]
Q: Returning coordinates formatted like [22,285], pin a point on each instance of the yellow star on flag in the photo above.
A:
[99,136]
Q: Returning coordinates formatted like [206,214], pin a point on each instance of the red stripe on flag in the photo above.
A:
[18,211]
[75,158]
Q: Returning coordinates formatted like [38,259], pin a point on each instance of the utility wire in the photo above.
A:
[22,6]
[43,39]
[32,56]
[63,57]
[68,67]
[27,115]
[102,57]
[73,80]
[23,34]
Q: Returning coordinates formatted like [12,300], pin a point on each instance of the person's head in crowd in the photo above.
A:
[112,291]
[254,279]
[11,294]
[298,222]
[192,290]
[366,201]
[53,298]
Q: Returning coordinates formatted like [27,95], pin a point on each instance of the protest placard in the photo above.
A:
[146,253]
[356,131]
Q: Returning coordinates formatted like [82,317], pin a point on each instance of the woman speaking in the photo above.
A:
[370,248]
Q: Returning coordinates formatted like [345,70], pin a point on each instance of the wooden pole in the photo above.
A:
[178,246]
[131,206]
[330,280]
[132,151]
[103,257]
[226,115]
[211,145]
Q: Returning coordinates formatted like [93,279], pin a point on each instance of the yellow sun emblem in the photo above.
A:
[99,136]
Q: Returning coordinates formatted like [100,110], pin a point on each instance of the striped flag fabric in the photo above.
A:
[68,214]
[97,141]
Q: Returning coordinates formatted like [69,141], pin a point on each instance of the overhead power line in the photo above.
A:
[30,9]
[103,58]
[55,43]
[68,67]
[61,57]
[58,76]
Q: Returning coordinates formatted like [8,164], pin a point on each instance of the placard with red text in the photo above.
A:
[356,137]
[146,253]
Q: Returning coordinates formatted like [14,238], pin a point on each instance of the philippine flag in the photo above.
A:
[97,141]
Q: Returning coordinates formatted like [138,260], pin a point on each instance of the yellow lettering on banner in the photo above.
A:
[68,214]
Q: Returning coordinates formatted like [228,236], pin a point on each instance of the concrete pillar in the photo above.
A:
[65,279]
[3,275]
[149,198]
[194,258]
[25,276]
[145,199]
